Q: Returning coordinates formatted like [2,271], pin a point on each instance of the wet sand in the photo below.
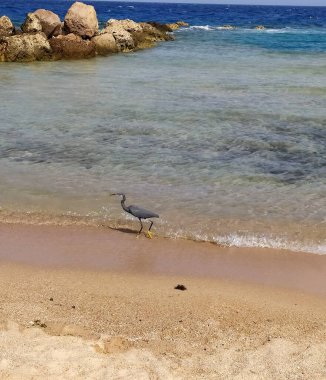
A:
[95,303]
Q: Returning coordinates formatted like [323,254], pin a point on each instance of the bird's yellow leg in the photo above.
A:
[149,234]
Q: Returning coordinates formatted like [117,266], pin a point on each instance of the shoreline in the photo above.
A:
[106,249]
[97,303]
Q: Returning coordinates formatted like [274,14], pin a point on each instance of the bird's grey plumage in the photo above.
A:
[138,212]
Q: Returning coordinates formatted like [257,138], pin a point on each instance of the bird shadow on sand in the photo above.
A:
[124,230]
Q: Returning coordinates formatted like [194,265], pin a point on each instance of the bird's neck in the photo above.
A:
[123,204]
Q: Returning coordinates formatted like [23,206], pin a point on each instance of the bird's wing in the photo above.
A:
[140,212]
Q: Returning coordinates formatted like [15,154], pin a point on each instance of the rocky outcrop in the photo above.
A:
[105,44]
[31,24]
[71,46]
[45,37]
[182,23]
[122,37]
[25,48]
[81,20]
[128,25]
[50,22]
[6,27]
[177,25]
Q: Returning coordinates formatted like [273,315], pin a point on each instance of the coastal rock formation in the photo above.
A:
[182,23]
[44,37]
[105,44]
[50,22]
[32,24]
[128,25]
[6,26]
[260,27]
[81,19]
[155,32]
[71,46]
[25,48]
[177,25]
[122,37]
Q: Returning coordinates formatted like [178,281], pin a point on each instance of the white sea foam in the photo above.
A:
[201,27]
[251,241]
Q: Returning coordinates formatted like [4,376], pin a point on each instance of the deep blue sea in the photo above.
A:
[222,132]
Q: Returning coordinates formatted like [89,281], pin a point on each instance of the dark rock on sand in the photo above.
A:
[180,287]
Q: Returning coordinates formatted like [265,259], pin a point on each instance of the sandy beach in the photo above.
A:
[80,302]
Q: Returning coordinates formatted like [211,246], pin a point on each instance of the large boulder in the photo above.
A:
[25,48]
[105,44]
[81,19]
[6,26]
[31,24]
[122,37]
[50,22]
[71,46]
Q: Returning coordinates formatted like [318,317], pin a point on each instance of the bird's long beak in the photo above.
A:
[114,194]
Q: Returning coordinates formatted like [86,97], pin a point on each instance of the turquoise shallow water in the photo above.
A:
[220,132]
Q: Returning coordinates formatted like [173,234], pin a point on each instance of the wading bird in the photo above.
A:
[139,213]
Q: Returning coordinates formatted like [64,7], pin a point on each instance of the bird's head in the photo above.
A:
[120,194]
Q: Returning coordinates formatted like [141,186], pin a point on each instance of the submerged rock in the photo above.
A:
[6,27]
[81,20]
[71,46]
[25,48]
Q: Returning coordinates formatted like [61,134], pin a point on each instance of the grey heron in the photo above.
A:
[139,213]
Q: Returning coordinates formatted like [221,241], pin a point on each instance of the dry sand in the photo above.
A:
[86,303]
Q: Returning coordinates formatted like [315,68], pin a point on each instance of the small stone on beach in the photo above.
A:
[180,287]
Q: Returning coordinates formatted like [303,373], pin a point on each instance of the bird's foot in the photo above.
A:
[137,237]
[149,235]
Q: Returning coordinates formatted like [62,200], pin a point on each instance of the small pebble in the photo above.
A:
[51,299]
[180,287]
